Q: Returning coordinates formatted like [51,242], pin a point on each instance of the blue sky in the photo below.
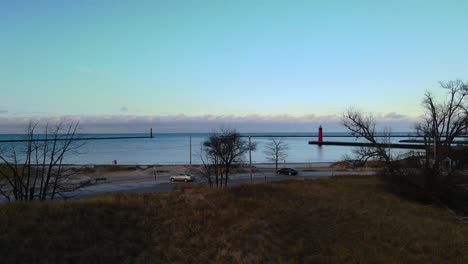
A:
[230,61]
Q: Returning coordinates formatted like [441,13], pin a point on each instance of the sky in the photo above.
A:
[187,66]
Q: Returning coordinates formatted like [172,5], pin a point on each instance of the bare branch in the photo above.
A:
[276,150]
[34,170]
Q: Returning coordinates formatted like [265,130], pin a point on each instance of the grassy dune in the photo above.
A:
[338,219]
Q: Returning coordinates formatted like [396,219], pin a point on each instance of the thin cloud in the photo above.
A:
[3,112]
[123,109]
[393,115]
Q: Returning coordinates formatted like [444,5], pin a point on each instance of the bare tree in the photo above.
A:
[443,122]
[33,169]
[276,150]
[222,149]
[208,169]
[362,126]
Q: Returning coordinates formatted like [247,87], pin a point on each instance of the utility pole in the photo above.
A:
[250,159]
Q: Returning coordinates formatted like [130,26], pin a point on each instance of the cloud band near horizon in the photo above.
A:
[181,123]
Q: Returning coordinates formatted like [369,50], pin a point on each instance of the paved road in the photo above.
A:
[162,184]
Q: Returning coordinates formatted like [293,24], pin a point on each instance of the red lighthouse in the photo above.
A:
[320,136]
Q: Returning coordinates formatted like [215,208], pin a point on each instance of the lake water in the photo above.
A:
[174,148]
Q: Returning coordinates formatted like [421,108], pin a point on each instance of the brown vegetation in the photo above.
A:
[113,168]
[337,219]
[376,164]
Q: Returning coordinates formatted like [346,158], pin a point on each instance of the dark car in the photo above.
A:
[287,171]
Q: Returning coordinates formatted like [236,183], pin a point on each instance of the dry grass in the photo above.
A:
[338,219]
[376,164]
[110,168]
[342,164]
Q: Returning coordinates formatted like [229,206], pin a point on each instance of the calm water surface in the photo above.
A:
[175,148]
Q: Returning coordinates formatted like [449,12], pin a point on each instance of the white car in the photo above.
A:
[186,177]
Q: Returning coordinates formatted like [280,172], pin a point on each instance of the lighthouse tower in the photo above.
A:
[320,135]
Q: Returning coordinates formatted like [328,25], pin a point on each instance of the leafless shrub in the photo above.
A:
[33,169]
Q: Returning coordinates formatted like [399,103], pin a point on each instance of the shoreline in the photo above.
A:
[136,179]
[95,179]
